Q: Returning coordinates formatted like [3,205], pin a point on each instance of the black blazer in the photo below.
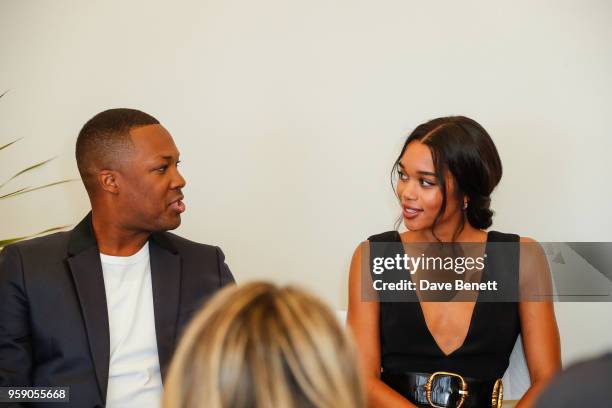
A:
[53,313]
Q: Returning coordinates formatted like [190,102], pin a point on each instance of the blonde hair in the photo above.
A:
[259,345]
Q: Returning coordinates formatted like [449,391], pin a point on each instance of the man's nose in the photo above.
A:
[178,181]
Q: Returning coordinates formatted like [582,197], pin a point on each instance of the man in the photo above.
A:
[101,308]
[584,384]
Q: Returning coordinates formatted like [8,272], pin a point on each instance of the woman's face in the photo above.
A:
[418,190]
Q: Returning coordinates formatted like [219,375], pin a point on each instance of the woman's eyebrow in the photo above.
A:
[422,172]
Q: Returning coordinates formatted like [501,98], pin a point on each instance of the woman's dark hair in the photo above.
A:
[463,147]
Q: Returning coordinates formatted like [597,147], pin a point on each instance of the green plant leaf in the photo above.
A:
[5,242]
[30,189]
[32,167]
[8,144]
[24,190]
[13,193]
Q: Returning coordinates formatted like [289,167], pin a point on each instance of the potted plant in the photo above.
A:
[24,190]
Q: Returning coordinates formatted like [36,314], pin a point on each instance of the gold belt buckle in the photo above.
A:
[463,392]
[498,394]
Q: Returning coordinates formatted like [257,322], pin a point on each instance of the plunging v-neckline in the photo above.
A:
[474,309]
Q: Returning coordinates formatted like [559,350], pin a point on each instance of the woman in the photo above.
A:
[259,346]
[447,170]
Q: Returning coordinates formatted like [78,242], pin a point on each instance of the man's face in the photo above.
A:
[150,184]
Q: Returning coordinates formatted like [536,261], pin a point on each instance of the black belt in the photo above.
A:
[446,390]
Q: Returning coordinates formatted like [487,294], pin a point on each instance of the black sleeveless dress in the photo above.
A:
[407,345]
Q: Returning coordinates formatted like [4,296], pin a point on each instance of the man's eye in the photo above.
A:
[402,175]
[161,169]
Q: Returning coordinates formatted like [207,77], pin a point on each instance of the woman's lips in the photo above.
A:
[410,212]
[178,206]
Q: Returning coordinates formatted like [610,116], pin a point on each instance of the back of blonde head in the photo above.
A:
[259,346]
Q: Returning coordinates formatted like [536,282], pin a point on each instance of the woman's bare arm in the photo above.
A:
[538,324]
[363,319]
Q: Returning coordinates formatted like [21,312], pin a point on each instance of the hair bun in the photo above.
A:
[478,212]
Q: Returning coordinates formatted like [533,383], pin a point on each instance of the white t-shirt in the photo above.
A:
[134,379]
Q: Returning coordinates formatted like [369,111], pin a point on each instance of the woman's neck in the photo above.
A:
[448,233]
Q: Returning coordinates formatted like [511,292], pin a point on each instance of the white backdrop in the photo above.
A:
[289,115]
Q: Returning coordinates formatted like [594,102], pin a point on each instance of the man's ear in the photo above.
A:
[108,181]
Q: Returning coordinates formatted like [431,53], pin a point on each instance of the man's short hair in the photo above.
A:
[104,141]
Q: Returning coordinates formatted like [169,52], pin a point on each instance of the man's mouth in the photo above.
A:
[178,205]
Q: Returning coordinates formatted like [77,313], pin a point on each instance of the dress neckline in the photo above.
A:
[474,310]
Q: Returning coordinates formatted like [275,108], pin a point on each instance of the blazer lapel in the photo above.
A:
[165,279]
[86,269]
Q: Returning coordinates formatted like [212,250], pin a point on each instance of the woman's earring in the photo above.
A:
[465,205]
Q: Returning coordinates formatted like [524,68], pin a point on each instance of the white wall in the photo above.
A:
[289,115]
